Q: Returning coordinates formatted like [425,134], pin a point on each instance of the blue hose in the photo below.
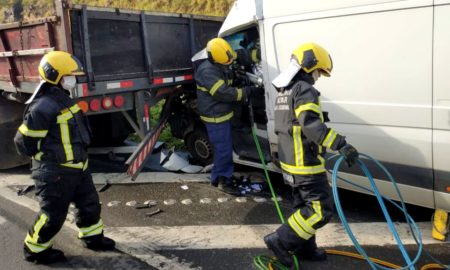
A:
[410,264]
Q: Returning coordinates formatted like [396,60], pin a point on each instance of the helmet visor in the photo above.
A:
[79,69]
[286,76]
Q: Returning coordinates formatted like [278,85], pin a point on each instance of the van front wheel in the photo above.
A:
[199,146]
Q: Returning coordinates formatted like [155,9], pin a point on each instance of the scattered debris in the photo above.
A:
[104,187]
[157,211]
[164,160]
[25,190]
[151,202]
[184,187]
[192,169]
[207,168]
[143,206]
[241,199]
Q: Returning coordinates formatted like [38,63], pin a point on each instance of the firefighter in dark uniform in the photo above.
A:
[215,97]
[55,134]
[302,140]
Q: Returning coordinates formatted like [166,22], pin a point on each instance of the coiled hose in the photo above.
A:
[263,262]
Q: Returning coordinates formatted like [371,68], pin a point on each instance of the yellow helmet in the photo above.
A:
[311,56]
[220,51]
[56,64]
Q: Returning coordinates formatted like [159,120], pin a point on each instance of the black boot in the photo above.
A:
[274,244]
[47,256]
[227,186]
[309,251]
[98,243]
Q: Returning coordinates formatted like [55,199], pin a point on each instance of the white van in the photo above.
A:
[389,92]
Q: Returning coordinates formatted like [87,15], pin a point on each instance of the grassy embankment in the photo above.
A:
[41,8]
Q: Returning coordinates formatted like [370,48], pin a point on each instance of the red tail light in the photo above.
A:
[119,101]
[158,80]
[107,103]
[94,105]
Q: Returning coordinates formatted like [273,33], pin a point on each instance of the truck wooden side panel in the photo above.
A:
[21,49]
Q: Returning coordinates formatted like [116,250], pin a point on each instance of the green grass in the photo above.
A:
[42,8]
[166,134]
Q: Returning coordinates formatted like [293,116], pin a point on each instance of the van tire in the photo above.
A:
[199,146]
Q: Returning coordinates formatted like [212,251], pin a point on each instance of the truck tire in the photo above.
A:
[198,145]
[11,114]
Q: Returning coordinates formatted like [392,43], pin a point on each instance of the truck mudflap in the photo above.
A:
[11,119]
[137,160]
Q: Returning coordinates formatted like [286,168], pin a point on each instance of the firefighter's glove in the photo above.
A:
[350,154]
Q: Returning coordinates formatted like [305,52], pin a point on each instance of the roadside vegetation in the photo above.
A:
[166,134]
[30,9]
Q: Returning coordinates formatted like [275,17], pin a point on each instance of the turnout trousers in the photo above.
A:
[55,192]
[220,137]
[313,206]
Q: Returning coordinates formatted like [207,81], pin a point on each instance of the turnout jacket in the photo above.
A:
[215,94]
[302,133]
[54,132]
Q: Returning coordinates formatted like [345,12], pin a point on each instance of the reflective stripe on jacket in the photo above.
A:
[215,94]
[302,133]
[54,130]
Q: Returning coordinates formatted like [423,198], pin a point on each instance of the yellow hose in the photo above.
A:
[431,266]
[357,256]
[377,261]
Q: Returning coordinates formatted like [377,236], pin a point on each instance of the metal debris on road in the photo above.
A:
[241,199]
[113,203]
[104,187]
[170,202]
[151,202]
[23,191]
[143,206]
[131,203]
[157,211]
[222,199]
[205,200]
[186,201]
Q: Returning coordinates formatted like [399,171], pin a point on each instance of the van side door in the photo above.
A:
[380,92]
[441,103]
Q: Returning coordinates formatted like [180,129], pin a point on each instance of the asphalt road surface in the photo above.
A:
[199,227]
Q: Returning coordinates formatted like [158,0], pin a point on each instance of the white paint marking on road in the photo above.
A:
[250,236]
